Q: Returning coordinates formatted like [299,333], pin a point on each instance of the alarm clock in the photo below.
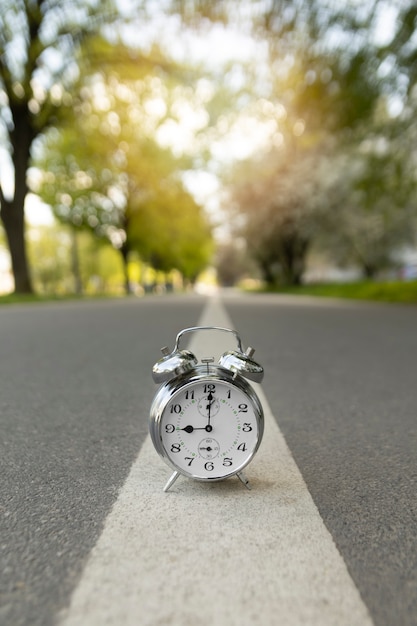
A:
[206,421]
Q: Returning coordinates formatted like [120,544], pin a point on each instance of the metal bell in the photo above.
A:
[173,364]
[243,364]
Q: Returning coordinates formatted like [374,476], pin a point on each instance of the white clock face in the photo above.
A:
[209,429]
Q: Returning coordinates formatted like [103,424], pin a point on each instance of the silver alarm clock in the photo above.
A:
[206,421]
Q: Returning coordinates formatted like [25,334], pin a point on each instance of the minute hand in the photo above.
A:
[210,402]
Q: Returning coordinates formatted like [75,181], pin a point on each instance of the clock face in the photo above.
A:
[210,429]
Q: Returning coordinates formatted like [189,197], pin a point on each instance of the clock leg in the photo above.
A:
[243,480]
[171,481]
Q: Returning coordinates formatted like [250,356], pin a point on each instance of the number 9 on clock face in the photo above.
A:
[209,427]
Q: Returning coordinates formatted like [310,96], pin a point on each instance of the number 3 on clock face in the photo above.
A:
[208,428]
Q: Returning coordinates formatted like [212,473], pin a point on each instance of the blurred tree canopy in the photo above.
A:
[280,201]
[96,123]
[53,65]
[39,43]
[115,179]
[371,208]
[343,176]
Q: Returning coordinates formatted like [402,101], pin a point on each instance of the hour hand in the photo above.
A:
[190,429]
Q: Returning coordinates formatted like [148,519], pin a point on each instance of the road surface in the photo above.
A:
[328,534]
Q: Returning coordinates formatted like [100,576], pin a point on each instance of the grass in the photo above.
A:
[16,298]
[397,291]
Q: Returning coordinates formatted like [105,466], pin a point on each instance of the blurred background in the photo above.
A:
[161,145]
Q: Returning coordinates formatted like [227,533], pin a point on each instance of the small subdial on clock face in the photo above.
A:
[208,404]
[208,448]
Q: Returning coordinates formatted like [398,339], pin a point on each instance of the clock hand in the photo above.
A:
[190,429]
[210,400]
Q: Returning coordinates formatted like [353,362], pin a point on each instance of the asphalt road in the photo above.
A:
[75,390]
[342,381]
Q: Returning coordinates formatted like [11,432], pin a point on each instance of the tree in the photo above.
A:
[118,181]
[171,231]
[370,207]
[280,201]
[232,263]
[39,43]
[334,89]
[48,249]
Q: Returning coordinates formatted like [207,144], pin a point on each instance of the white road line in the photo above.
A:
[213,554]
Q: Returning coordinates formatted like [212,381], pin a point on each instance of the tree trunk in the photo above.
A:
[294,249]
[124,251]
[267,273]
[13,218]
[75,262]
[370,271]
[13,211]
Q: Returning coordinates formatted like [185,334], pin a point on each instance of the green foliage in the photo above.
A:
[51,253]
[96,124]
[118,181]
[345,180]
[170,231]
[370,208]
[101,267]
[49,257]
[39,45]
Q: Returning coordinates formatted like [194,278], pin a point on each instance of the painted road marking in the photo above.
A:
[214,554]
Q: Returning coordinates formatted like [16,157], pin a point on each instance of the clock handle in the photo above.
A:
[197,328]
[238,361]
